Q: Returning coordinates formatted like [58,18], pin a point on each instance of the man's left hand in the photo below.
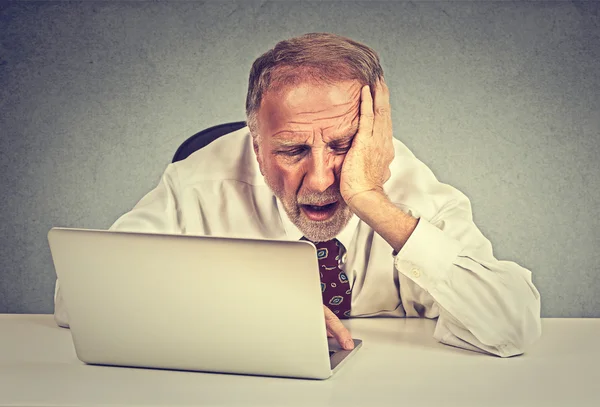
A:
[366,165]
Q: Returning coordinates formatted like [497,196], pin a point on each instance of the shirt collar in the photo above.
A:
[293,233]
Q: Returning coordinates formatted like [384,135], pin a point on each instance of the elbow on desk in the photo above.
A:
[524,327]
[531,329]
[503,335]
[521,335]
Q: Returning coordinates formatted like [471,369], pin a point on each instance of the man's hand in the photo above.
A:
[335,329]
[366,168]
[366,165]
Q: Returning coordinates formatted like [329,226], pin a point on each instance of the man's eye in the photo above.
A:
[341,149]
[293,152]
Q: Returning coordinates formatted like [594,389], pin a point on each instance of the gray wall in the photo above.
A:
[501,100]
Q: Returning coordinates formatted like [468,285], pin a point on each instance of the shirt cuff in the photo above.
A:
[61,317]
[428,256]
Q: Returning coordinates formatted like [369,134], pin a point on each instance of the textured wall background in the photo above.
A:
[501,100]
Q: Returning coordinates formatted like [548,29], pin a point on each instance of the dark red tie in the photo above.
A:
[334,282]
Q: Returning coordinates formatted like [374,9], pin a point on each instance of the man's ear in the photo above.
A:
[257,152]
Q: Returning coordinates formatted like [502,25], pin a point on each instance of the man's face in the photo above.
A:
[304,133]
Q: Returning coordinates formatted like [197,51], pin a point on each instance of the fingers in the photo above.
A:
[375,113]
[365,123]
[382,99]
[382,122]
[337,329]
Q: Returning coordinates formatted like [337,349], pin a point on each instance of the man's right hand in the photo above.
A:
[335,329]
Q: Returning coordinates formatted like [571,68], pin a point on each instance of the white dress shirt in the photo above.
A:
[446,270]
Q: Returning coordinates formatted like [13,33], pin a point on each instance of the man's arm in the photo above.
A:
[485,304]
[389,221]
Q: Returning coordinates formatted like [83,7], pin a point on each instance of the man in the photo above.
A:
[319,161]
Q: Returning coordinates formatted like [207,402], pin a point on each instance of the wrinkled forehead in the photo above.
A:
[309,107]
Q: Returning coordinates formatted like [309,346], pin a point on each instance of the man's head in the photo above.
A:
[302,109]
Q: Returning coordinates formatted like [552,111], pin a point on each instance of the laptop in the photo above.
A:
[199,303]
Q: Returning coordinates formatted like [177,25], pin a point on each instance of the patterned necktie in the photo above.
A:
[334,282]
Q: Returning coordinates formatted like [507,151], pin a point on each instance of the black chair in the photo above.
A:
[204,138]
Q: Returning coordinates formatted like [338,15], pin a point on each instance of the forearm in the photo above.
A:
[377,211]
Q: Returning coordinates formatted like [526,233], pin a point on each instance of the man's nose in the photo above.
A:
[321,174]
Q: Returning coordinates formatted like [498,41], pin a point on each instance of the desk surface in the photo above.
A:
[399,364]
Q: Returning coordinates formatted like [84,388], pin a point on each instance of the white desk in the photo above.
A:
[400,364]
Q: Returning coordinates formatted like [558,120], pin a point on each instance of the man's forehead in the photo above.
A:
[302,110]
[330,133]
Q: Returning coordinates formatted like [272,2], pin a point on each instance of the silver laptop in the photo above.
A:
[196,303]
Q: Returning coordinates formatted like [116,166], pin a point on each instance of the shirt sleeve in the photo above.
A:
[157,212]
[484,304]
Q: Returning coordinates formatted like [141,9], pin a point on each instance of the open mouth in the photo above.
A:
[319,212]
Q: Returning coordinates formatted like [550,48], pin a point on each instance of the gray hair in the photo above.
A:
[318,57]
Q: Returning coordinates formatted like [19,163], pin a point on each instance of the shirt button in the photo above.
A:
[416,273]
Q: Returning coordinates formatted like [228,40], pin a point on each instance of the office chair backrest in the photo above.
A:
[205,137]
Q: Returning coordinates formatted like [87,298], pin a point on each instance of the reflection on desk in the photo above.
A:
[400,364]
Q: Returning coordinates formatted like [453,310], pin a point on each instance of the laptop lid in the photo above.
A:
[193,302]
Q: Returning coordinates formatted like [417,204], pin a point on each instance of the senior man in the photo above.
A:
[318,161]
